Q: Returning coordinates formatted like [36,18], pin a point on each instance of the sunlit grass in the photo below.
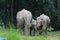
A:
[13,34]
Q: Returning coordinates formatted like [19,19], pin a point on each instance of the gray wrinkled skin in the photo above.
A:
[42,23]
[33,27]
[24,18]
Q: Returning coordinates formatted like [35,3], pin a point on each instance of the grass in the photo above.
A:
[13,34]
[54,32]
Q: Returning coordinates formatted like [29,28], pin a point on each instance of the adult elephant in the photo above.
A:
[24,18]
[42,23]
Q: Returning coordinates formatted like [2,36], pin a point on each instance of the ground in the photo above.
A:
[13,34]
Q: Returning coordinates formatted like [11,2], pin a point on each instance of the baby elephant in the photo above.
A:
[33,27]
[42,23]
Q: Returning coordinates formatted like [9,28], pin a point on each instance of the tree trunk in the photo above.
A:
[7,17]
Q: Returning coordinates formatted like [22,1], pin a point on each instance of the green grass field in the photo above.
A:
[13,34]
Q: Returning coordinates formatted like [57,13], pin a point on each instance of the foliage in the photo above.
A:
[50,29]
[11,25]
[13,34]
[9,8]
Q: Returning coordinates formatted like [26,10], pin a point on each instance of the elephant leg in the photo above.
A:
[40,32]
[40,29]
[20,28]
[22,31]
[27,30]
[32,31]
[44,29]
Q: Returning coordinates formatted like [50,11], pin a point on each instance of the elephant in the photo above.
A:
[43,23]
[33,27]
[24,18]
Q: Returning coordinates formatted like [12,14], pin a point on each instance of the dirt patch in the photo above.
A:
[54,35]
